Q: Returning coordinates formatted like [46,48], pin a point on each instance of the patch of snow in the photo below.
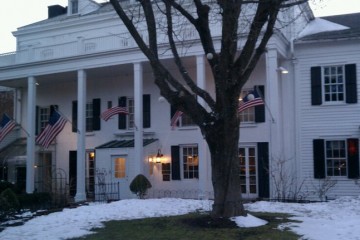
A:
[248,221]
[320,25]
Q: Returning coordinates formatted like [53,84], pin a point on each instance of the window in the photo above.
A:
[89,116]
[74,6]
[119,167]
[166,171]
[335,155]
[186,121]
[336,158]
[333,84]
[247,115]
[131,116]
[43,117]
[190,161]
[128,121]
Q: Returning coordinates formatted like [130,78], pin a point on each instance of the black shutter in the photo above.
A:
[37,118]
[146,111]
[353,158]
[319,158]
[96,114]
[260,110]
[72,172]
[175,162]
[122,117]
[316,97]
[350,80]
[263,169]
[74,116]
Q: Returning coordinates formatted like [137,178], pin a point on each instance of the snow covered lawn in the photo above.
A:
[334,220]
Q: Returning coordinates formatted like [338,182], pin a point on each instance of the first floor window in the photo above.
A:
[190,160]
[335,154]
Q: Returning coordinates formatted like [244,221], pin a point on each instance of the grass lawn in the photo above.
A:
[192,226]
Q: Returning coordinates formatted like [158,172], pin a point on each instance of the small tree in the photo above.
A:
[139,186]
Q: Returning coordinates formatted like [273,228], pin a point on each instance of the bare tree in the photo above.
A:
[231,65]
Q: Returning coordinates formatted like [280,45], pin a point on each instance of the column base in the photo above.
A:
[80,197]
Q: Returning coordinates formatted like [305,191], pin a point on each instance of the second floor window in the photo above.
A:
[89,116]
[334,84]
[43,118]
[74,6]
[247,115]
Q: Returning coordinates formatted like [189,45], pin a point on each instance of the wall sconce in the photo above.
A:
[159,156]
[282,70]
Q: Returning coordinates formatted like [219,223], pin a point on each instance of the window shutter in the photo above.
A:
[74,116]
[122,117]
[350,80]
[175,162]
[146,111]
[319,158]
[72,172]
[353,158]
[96,114]
[260,110]
[316,97]
[263,169]
[37,124]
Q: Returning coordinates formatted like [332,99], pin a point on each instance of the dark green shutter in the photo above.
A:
[122,117]
[353,158]
[263,169]
[319,158]
[260,110]
[37,118]
[96,114]
[74,116]
[146,111]
[350,80]
[316,97]
[175,162]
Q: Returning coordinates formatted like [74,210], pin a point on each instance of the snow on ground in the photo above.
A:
[334,220]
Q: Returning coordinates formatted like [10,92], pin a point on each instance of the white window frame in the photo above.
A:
[130,118]
[333,77]
[183,156]
[336,159]
[43,118]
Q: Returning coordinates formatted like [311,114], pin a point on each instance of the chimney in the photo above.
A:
[56,10]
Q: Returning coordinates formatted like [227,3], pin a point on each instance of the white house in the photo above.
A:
[83,61]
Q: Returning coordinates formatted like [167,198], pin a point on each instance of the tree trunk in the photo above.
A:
[223,145]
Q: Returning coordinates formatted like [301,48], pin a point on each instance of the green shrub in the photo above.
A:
[9,203]
[5,185]
[139,185]
[35,200]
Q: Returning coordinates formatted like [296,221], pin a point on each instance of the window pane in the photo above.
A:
[190,162]
[336,158]
[119,167]
[333,83]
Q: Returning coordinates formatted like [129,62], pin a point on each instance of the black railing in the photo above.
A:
[107,192]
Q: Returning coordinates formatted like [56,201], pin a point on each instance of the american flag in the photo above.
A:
[112,111]
[175,118]
[6,125]
[53,128]
[251,99]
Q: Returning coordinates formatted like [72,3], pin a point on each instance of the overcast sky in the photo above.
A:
[17,13]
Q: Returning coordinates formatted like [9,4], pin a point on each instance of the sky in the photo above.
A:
[334,220]
[17,13]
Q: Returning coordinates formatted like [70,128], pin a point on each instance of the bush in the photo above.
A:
[139,185]
[9,203]
[35,200]
[5,185]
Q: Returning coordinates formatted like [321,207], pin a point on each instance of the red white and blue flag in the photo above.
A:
[251,99]
[53,128]
[112,111]
[6,125]
[175,118]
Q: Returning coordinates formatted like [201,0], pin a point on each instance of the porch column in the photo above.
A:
[30,144]
[138,101]
[81,125]
[203,149]
[272,99]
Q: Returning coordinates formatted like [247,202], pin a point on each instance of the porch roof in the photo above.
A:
[125,143]
[17,148]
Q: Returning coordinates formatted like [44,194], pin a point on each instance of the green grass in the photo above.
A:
[192,226]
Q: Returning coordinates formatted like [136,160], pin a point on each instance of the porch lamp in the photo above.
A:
[159,156]
[282,70]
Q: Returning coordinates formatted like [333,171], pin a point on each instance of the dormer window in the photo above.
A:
[74,6]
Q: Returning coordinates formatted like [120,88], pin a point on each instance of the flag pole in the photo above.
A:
[64,116]
[267,107]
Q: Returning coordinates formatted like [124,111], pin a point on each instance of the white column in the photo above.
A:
[203,149]
[138,100]
[273,98]
[30,145]
[81,125]
[18,99]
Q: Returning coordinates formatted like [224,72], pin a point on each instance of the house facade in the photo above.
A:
[82,61]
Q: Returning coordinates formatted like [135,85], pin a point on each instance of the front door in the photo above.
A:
[120,175]
[248,172]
